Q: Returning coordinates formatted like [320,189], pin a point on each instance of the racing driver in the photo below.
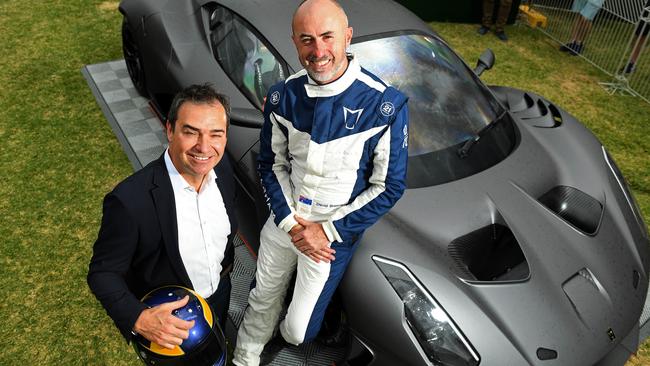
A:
[333,156]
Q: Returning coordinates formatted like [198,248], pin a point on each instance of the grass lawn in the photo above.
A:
[59,157]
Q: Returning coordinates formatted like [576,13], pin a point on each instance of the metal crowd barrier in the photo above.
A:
[612,41]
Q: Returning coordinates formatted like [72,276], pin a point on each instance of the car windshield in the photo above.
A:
[448,105]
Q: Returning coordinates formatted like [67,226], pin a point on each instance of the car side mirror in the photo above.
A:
[485,62]
[246,117]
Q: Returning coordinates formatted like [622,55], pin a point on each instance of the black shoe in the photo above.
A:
[483,30]
[272,348]
[336,340]
[567,47]
[576,49]
[501,35]
[629,68]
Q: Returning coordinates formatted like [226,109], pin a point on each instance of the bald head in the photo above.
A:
[319,8]
[321,34]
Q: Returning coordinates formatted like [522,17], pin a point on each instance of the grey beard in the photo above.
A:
[323,77]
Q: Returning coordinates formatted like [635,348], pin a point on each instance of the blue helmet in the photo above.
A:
[206,344]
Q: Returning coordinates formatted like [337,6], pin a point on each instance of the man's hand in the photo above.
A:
[311,240]
[296,229]
[158,325]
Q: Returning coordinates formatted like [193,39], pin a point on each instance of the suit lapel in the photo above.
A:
[224,175]
[163,197]
[224,181]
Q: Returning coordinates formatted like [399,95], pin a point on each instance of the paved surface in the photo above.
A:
[141,134]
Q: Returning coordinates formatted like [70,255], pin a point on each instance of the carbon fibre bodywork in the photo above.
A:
[537,256]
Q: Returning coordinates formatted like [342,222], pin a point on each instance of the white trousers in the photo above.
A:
[277,259]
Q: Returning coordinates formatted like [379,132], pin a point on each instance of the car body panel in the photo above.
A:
[411,232]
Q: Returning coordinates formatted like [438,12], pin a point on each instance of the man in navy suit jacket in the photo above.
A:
[171,223]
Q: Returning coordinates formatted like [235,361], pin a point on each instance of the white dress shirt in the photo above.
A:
[203,229]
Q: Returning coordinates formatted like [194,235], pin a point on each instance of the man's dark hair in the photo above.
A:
[197,94]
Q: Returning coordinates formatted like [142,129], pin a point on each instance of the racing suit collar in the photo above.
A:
[337,86]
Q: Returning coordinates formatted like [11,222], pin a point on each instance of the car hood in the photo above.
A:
[576,293]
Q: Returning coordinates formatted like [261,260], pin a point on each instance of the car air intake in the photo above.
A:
[575,207]
[530,108]
[490,254]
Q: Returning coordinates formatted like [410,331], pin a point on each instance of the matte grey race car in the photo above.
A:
[518,241]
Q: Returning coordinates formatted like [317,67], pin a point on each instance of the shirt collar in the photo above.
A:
[337,86]
[179,183]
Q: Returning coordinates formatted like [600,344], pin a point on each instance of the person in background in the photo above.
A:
[587,11]
[502,18]
[640,37]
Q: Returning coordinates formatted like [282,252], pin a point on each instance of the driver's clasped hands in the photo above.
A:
[310,239]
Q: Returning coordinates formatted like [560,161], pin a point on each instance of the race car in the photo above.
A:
[517,241]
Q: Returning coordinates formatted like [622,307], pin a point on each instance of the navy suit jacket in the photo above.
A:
[137,246]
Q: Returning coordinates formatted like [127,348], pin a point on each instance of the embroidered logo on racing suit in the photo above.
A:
[275,97]
[350,124]
[405,143]
[387,109]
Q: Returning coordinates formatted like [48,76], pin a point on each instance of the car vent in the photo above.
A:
[575,207]
[588,297]
[531,109]
[490,253]
[518,103]
[546,354]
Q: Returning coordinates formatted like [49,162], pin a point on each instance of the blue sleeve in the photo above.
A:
[273,161]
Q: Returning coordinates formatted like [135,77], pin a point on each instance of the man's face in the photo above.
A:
[197,142]
[321,35]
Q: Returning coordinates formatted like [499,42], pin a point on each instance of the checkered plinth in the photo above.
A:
[136,127]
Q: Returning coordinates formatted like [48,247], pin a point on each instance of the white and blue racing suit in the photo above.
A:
[334,154]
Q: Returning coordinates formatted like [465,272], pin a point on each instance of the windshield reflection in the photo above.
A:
[446,103]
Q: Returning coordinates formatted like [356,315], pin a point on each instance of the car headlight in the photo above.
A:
[440,339]
[626,192]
